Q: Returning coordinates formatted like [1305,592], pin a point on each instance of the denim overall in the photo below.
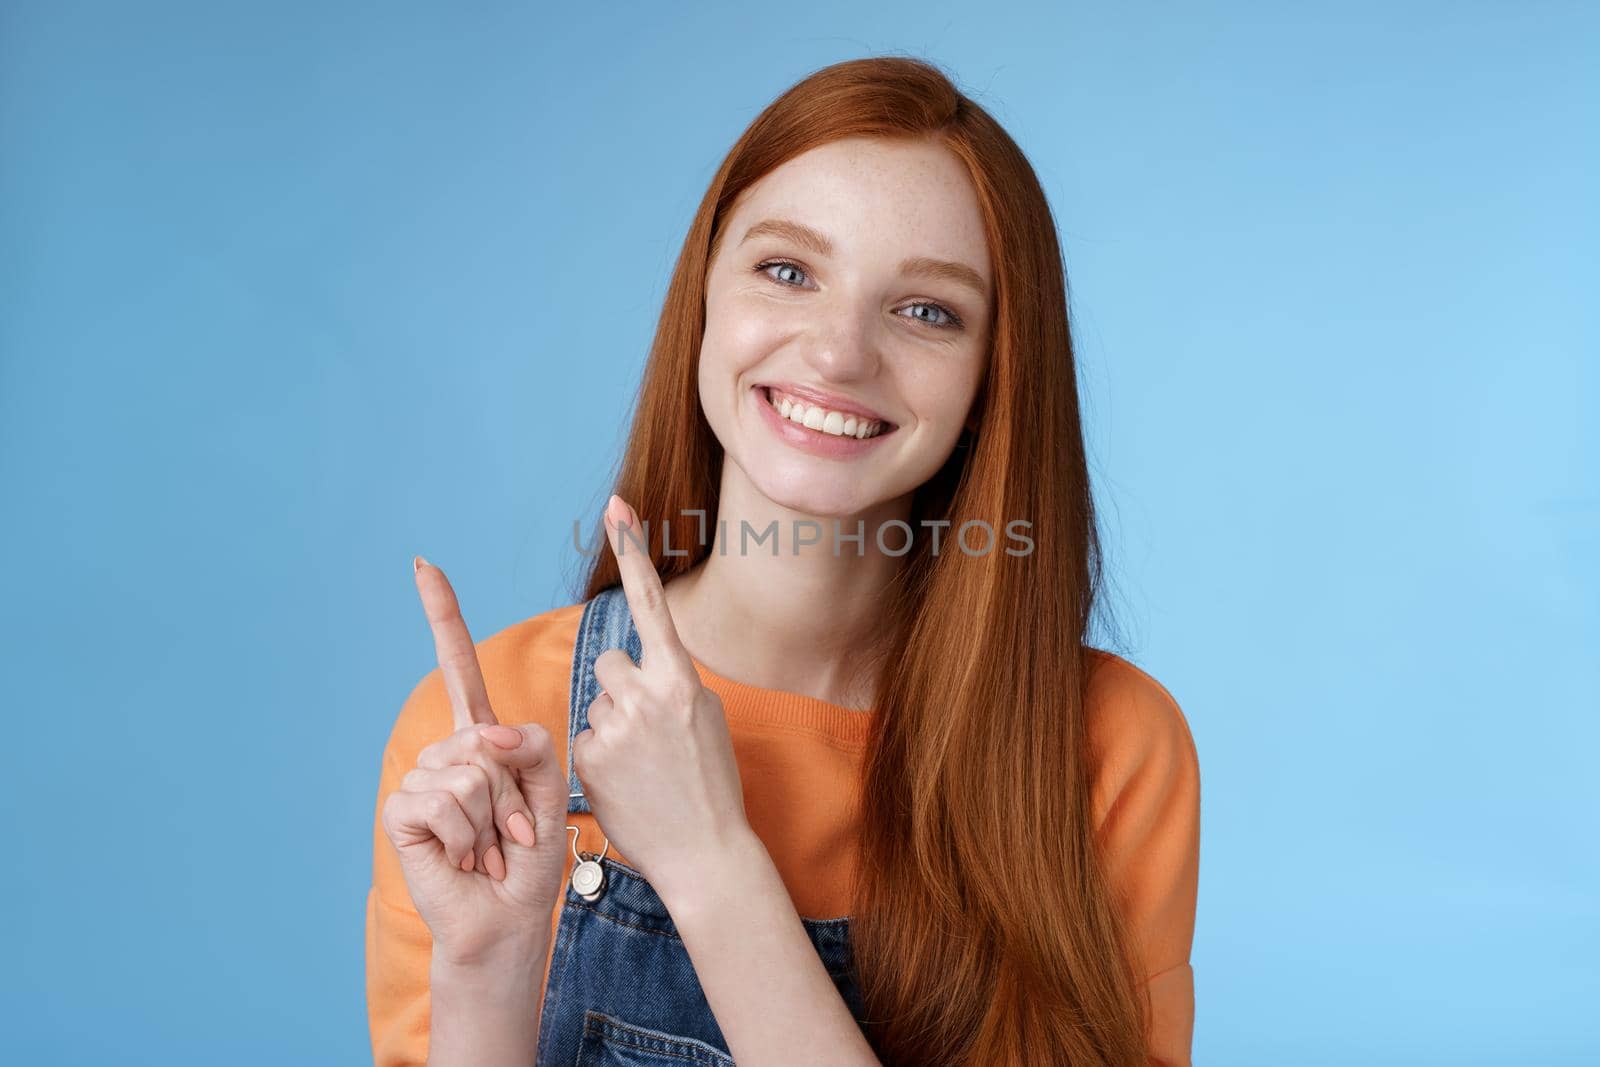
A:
[622,990]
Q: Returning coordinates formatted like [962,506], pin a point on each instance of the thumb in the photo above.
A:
[530,752]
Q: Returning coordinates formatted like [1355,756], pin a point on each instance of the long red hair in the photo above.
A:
[984,930]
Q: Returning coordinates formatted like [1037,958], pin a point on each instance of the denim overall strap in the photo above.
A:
[622,988]
[606,623]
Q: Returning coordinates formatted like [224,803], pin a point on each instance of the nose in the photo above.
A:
[844,350]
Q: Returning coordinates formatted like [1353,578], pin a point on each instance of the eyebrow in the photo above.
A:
[918,266]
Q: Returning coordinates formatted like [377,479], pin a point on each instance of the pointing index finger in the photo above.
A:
[458,660]
[647,599]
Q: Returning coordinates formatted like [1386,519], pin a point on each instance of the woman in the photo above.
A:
[847,784]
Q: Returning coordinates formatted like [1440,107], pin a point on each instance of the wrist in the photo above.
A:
[695,880]
[485,1012]
[508,964]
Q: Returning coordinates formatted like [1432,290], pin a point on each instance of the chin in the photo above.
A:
[810,498]
[822,494]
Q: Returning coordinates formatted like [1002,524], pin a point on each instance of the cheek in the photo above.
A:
[738,337]
[732,346]
[942,396]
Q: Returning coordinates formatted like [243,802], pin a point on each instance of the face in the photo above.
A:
[847,324]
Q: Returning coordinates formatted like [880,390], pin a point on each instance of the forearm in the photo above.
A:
[760,973]
[486,1013]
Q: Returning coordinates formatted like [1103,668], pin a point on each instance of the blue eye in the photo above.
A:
[952,321]
[950,316]
[762,268]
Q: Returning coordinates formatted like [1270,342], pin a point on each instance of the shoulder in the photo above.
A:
[526,668]
[1138,736]
[1145,800]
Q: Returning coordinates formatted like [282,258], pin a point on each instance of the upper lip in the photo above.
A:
[823,399]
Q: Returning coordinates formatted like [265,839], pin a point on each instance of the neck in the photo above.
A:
[804,620]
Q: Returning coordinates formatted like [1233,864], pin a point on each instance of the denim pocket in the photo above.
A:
[610,1042]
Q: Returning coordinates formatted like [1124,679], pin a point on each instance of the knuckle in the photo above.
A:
[651,597]
[458,658]
[391,812]
[501,777]
[438,806]
[474,782]
[541,747]
[682,690]
[508,801]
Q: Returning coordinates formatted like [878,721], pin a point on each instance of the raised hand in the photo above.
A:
[657,762]
[479,823]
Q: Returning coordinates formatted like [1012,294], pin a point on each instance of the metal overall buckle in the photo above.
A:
[588,877]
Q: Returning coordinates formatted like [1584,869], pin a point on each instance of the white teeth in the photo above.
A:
[834,423]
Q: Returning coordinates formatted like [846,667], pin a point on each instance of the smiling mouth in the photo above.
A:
[823,420]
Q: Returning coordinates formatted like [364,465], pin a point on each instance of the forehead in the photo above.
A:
[875,199]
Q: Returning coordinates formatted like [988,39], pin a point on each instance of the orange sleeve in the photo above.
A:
[399,945]
[1146,800]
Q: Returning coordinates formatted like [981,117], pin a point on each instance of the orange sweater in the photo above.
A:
[799,758]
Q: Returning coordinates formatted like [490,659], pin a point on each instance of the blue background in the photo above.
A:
[290,294]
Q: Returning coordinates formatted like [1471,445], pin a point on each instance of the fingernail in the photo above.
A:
[504,736]
[495,863]
[467,862]
[521,829]
[416,563]
[616,511]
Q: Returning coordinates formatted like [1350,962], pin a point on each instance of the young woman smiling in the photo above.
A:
[860,797]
